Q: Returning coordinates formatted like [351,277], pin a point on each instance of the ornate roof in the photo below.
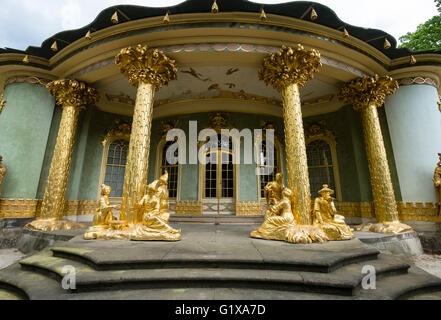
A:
[297,9]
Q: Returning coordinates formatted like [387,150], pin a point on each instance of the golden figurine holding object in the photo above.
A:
[153,214]
[326,217]
[437,183]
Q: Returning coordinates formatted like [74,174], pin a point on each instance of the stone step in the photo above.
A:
[217,219]
[341,282]
[215,256]
[401,287]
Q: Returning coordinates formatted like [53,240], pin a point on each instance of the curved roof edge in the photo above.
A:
[326,17]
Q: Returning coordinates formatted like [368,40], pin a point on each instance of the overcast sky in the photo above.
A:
[30,22]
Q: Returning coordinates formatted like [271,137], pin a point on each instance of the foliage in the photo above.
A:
[427,36]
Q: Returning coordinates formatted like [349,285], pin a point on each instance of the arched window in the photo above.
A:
[116,166]
[271,168]
[321,166]
[172,169]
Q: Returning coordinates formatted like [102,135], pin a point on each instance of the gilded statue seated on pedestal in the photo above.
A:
[153,216]
[326,218]
[280,223]
[103,215]
[278,218]
[437,183]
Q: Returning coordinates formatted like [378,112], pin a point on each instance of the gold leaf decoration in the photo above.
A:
[141,64]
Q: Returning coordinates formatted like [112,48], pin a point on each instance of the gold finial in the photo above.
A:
[88,35]
[54,46]
[26,59]
[314,14]
[114,18]
[345,33]
[413,60]
[290,66]
[166,19]
[214,7]
[387,44]
[262,14]
[366,91]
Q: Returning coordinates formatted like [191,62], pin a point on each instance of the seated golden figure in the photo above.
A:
[155,215]
[273,190]
[437,183]
[278,219]
[103,215]
[280,223]
[326,218]
[153,208]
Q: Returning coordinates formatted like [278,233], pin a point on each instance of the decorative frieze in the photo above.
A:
[189,208]
[30,208]
[418,80]
[247,208]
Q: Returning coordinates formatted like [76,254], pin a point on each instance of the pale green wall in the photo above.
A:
[415,127]
[24,128]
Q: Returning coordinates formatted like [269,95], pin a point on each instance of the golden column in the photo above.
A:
[148,70]
[367,94]
[73,96]
[288,71]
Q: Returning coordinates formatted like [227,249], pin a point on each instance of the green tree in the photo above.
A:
[427,36]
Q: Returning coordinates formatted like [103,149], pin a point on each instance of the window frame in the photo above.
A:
[158,168]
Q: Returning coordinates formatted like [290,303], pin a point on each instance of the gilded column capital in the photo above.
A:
[366,91]
[72,93]
[141,64]
[290,66]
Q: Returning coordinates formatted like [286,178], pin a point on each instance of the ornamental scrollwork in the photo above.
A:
[120,132]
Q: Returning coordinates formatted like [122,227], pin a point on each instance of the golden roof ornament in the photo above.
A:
[166,19]
[413,60]
[345,33]
[141,64]
[54,46]
[290,66]
[88,35]
[365,91]
[387,44]
[114,18]
[314,14]
[262,14]
[26,59]
[214,7]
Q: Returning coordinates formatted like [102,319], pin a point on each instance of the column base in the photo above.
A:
[291,233]
[395,227]
[135,232]
[46,225]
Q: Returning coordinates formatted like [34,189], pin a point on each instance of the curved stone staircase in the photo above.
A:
[226,266]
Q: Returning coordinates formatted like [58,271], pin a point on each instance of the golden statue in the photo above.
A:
[273,190]
[326,217]
[103,216]
[436,182]
[280,223]
[153,211]
[3,171]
